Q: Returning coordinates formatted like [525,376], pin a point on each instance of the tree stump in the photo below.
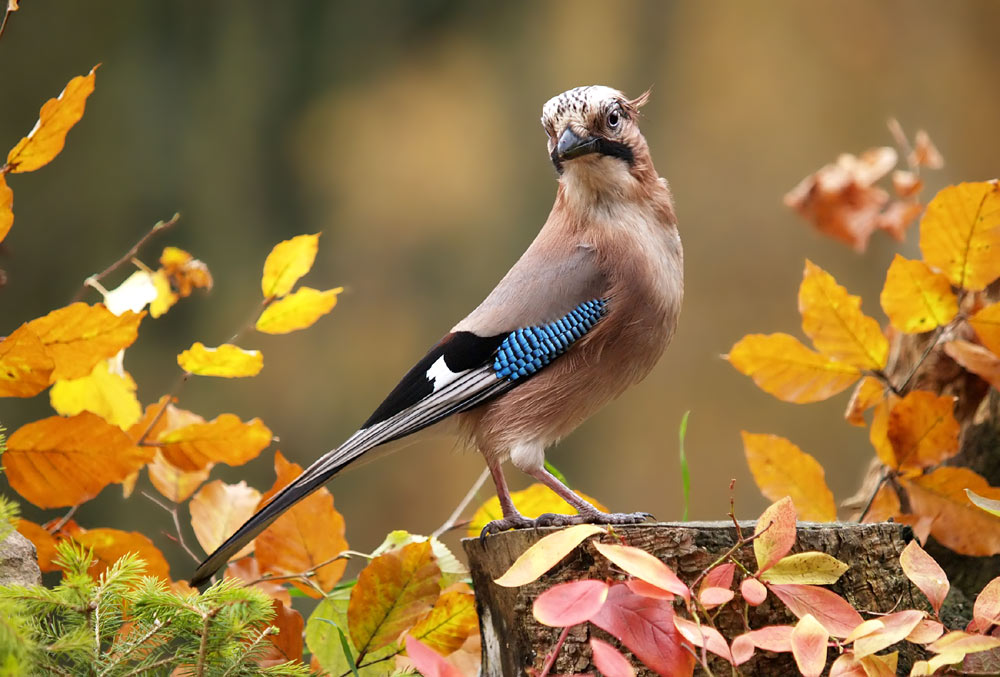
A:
[513,641]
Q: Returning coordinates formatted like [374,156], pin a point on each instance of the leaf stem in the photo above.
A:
[452,520]
[550,660]
[3,24]
[871,499]
[172,509]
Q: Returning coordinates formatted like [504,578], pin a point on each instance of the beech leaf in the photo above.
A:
[645,566]
[108,391]
[110,545]
[570,603]
[811,568]
[925,573]
[218,510]
[452,621]
[227,360]
[25,365]
[776,529]
[866,395]
[79,336]
[922,430]
[287,262]
[956,523]
[175,484]
[781,469]
[986,324]
[608,660]
[960,234]
[297,311]
[224,439]
[982,362]
[915,298]
[6,207]
[545,554]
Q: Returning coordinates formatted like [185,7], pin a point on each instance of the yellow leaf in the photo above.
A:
[227,360]
[991,506]
[223,440]
[6,207]
[808,568]
[780,365]
[986,323]
[922,430]
[56,118]
[452,620]
[107,391]
[977,359]
[185,272]
[58,462]
[175,484]
[219,509]
[287,262]
[960,234]
[958,524]
[110,545]
[25,365]
[536,500]
[165,297]
[866,395]
[782,469]
[79,336]
[915,298]
[545,554]
[833,320]
[297,311]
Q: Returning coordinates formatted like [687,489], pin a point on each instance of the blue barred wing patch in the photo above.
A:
[525,351]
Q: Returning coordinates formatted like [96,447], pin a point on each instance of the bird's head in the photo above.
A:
[594,135]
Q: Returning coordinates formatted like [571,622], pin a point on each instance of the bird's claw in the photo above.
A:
[551,519]
[512,522]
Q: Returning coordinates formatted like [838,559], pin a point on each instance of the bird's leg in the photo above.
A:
[512,519]
[587,513]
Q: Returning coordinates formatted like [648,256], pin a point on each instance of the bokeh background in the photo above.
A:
[407,133]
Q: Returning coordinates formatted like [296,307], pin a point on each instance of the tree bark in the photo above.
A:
[513,641]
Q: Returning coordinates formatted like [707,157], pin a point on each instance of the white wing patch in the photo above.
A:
[440,374]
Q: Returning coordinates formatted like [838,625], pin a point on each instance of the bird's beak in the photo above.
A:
[572,146]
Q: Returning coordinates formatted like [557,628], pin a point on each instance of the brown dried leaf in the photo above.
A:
[977,359]
[219,509]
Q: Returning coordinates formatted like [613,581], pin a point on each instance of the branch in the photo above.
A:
[450,523]
[177,524]
[3,24]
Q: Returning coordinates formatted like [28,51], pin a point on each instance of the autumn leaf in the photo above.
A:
[643,565]
[452,570]
[25,364]
[165,296]
[287,262]
[175,484]
[960,234]
[536,500]
[545,554]
[44,542]
[992,506]
[704,635]
[184,272]
[110,545]
[878,434]
[865,396]
[922,430]
[393,592]
[58,462]
[915,298]
[986,611]
[782,469]
[895,628]
[809,646]
[287,645]
[323,636]
[6,207]
[608,660]
[428,661]
[958,524]
[885,506]
[309,534]
[780,365]
[248,571]
[775,533]
[297,311]
[570,603]
[808,568]
[753,591]
[227,360]
[108,391]
[56,118]
[452,620]
[218,510]
[79,336]
[225,439]
[976,359]
[776,638]
[925,573]
[925,153]
[986,324]
[833,320]
[830,609]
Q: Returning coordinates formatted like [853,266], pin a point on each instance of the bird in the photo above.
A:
[583,314]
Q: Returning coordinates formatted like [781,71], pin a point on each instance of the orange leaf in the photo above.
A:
[536,500]
[108,391]
[110,545]
[809,644]
[545,554]
[958,524]
[923,430]
[833,320]
[287,262]
[248,571]
[452,621]
[866,395]
[570,603]
[782,469]
[184,271]
[780,365]
[58,462]
[6,207]
[925,153]
[830,609]
[227,360]
[391,594]
[977,359]
[609,660]
[645,566]
[56,118]
[219,509]
[915,298]
[986,323]
[25,365]
[925,573]
[287,644]
[175,484]
[79,336]
[885,506]
[225,439]
[960,234]
[775,533]
[878,434]
[45,543]
[297,311]
[304,537]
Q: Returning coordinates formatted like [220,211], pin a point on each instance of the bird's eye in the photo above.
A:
[614,119]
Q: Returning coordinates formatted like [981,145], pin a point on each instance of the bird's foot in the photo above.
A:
[550,519]
[512,522]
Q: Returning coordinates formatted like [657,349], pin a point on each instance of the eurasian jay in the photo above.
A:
[584,313]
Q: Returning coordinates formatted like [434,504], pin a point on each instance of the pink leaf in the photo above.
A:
[809,645]
[742,649]
[830,609]
[753,591]
[847,665]
[777,534]
[609,660]
[926,632]
[642,565]
[713,597]
[646,627]
[896,627]
[641,587]
[703,635]
[986,611]
[925,573]
[570,603]
[776,638]
[428,661]
[719,577]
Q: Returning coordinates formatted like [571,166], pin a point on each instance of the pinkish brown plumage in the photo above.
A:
[584,313]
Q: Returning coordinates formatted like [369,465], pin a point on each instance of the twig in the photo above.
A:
[871,499]
[3,24]
[302,574]
[462,505]
[157,626]
[64,519]
[160,225]
[896,130]
[203,649]
[177,524]
[266,632]
[927,351]
[729,553]
[550,660]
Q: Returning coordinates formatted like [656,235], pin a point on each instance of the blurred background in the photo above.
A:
[407,133]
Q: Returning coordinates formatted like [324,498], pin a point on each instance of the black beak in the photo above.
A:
[572,146]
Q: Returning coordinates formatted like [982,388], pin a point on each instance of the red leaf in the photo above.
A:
[609,660]
[753,591]
[713,597]
[570,603]
[429,662]
[925,573]
[777,533]
[646,627]
[641,587]
[809,646]
[642,565]
[719,577]
[776,638]
[830,609]
[703,635]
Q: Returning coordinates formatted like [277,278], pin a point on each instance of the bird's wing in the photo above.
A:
[500,347]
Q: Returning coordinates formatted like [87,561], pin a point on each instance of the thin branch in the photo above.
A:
[302,574]
[871,499]
[64,519]
[462,505]
[160,226]
[3,24]
[177,524]
[203,649]
[249,649]
[931,345]
[550,660]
